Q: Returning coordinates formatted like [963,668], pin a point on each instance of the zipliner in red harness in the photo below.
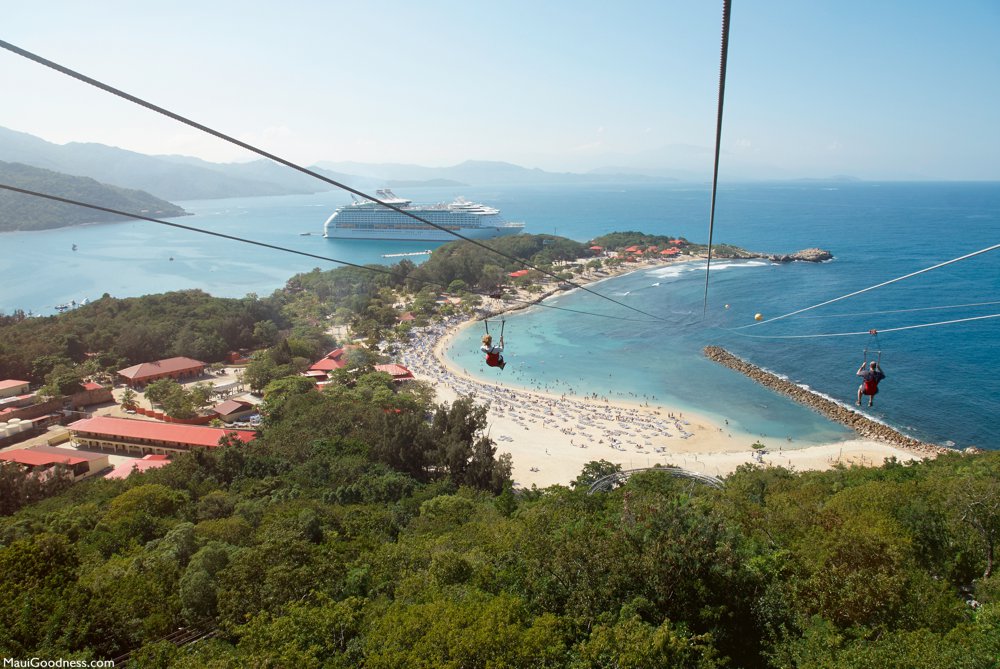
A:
[493,357]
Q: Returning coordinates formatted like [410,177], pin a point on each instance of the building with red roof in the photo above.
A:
[13,388]
[44,458]
[397,372]
[335,359]
[518,273]
[670,252]
[171,368]
[145,463]
[144,437]
[231,410]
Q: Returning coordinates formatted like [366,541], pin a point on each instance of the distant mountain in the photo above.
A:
[173,177]
[427,183]
[187,178]
[26,212]
[480,172]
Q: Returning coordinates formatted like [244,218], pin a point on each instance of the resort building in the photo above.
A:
[139,375]
[145,463]
[13,388]
[144,437]
[42,458]
[231,410]
[335,359]
[397,372]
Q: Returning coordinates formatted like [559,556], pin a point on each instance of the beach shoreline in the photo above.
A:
[551,437]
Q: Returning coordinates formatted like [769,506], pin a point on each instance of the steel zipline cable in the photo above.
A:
[868,332]
[903,311]
[244,240]
[878,285]
[287,163]
[726,7]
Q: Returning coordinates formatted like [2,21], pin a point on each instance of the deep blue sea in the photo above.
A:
[942,383]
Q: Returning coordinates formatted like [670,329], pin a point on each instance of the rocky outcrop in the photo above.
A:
[855,420]
[805,255]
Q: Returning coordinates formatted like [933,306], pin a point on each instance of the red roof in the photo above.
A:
[231,406]
[397,372]
[670,252]
[122,470]
[596,248]
[677,241]
[169,366]
[11,383]
[90,385]
[38,459]
[632,249]
[334,359]
[69,452]
[520,272]
[189,435]
[407,316]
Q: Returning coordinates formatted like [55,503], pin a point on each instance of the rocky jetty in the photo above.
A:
[730,252]
[855,420]
[805,255]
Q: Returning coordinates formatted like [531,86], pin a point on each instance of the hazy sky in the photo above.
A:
[888,89]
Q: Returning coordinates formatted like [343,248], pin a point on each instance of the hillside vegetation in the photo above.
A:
[369,527]
[351,534]
[27,212]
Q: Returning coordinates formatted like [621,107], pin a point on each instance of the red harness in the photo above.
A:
[870,387]
[493,359]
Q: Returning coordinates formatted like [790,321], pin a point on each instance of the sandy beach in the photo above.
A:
[551,437]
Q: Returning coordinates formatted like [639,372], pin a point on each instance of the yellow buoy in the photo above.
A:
[758,317]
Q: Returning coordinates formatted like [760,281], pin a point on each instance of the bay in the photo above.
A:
[941,386]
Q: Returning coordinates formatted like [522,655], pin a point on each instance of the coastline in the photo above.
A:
[551,437]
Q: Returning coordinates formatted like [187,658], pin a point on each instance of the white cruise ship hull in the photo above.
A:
[402,221]
[417,235]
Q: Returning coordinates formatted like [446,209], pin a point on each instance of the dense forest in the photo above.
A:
[368,526]
[122,332]
[358,532]
[26,212]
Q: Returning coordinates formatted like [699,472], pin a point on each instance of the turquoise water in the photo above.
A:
[941,386]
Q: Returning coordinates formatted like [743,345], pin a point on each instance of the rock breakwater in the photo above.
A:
[855,420]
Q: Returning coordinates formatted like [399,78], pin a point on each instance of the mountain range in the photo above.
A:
[187,178]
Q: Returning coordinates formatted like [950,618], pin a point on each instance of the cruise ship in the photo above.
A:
[368,220]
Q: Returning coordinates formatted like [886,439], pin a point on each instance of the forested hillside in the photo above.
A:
[355,533]
[127,331]
[369,527]
[26,212]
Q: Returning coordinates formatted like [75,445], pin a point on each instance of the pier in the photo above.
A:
[403,255]
[857,421]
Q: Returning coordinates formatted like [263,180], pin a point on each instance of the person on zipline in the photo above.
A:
[493,357]
[869,381]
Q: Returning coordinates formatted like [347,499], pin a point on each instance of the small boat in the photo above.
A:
[304,234]
[74,247]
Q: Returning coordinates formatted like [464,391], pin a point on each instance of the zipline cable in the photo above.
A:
[726,6]
[285,249]
[903,311]
[287,163]
[868,332]
[878,285]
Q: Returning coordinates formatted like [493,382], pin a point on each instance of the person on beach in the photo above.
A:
[493,353]
[869,381]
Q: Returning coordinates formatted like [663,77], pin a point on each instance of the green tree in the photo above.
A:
[129,399]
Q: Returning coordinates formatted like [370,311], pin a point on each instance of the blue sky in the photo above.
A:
[877,90]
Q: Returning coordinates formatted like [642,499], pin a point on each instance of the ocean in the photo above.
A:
[941,383]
